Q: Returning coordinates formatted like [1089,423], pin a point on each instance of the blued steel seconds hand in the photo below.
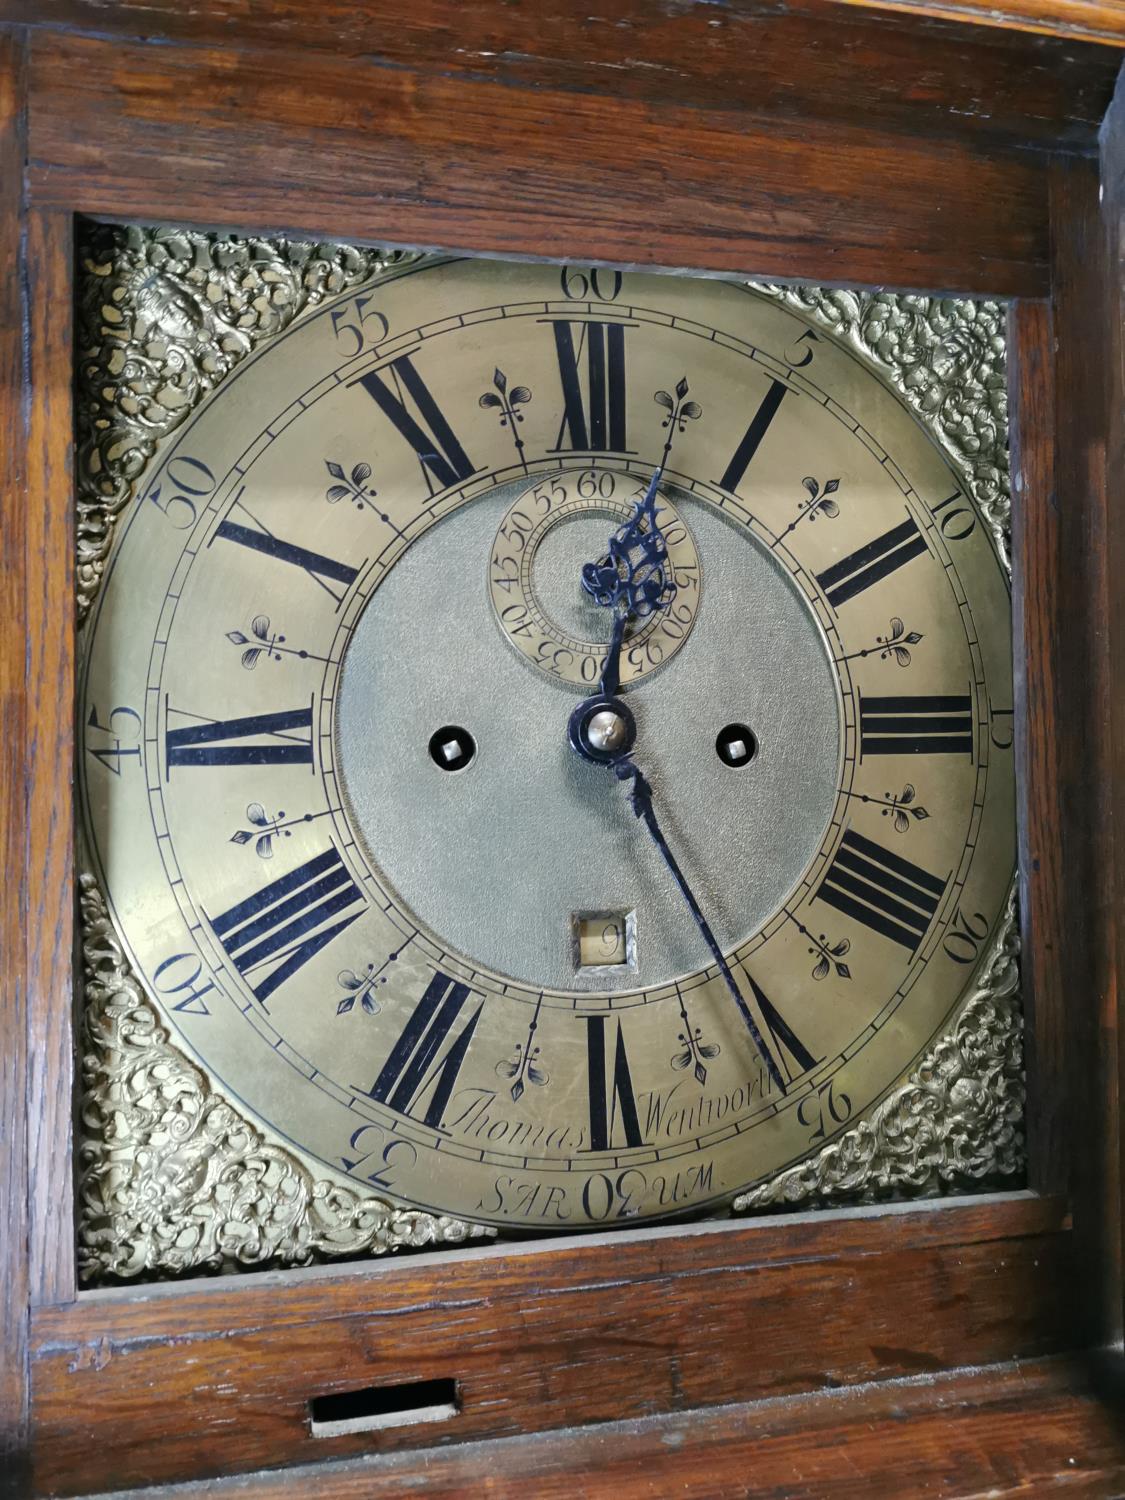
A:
[634,581]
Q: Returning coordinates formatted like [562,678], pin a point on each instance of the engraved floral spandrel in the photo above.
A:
[172,1178]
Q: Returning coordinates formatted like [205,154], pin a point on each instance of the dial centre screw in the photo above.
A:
[607,730]
[601,728]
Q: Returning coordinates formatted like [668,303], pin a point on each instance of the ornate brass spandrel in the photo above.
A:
[947,357]
[173,1178]
[956,1123]
[162,317]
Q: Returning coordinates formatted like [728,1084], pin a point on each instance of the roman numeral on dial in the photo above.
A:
[417,1068]
[752,438]
[611,1088]
[324,571]
[594,423]
[282,926]
[882,890]
[787,1047]
[916,725]
[287,740]
[442,457]
[849,577]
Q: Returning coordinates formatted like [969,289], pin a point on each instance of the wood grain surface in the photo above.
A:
[1097,20]
[573,1334]
[1112,199]
[1015,1431]
[49,854]
[1077,604]
[775,60]
[219,137]
[1040,600]
[13,822]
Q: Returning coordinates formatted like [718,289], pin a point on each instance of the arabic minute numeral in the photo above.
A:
[956,524]
[185,482]
[823,1110]
[966,933]
[123,723]
[1001,723]
[808,338]
[358,326]
[601,284]
[171,979]
[388,1156]
[596,484]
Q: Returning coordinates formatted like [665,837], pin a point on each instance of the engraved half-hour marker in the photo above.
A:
[882,890]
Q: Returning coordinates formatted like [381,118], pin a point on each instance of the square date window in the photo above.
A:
[604,940]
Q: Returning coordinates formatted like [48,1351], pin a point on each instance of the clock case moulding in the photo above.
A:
[172,1177]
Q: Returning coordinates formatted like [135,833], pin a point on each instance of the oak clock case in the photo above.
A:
[333,813]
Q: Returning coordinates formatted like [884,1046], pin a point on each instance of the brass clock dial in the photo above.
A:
[328,786]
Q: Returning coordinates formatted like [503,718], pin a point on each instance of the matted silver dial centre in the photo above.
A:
[499,857]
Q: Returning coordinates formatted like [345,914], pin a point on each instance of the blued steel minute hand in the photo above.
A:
[634,580]
[640,795]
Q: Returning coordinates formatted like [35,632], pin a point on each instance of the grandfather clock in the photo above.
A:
[562,721]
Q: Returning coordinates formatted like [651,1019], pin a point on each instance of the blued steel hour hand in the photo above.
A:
[634,580]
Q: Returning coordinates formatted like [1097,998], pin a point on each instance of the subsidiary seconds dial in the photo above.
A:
[328,784]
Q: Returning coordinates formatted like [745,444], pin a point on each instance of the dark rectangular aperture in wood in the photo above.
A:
[379,1406]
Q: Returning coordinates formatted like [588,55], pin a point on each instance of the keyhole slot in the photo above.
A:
[379,1406]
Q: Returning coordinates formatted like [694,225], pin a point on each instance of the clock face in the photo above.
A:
[330,779]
